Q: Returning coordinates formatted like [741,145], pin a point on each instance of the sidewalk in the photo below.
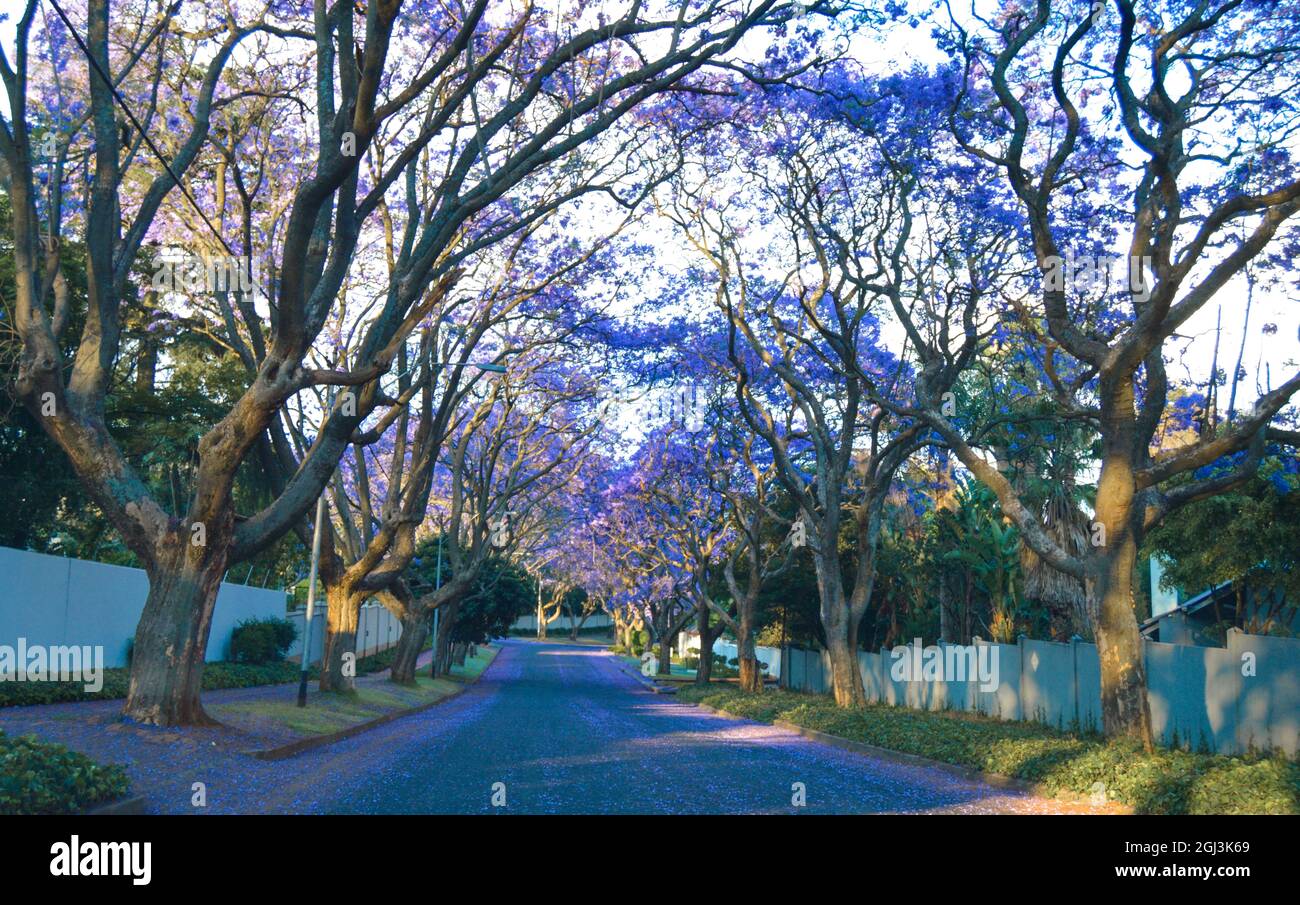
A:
[155,755]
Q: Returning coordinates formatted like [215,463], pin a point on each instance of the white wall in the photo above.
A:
[1227,699]
[561,623]
[52,600]
[690,642]
[377,629]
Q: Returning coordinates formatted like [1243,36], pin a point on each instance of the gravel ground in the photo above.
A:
[561,726]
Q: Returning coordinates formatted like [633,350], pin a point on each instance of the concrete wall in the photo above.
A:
[377,630]
[1227,700]
[561,623]
[53,600]
[769,655]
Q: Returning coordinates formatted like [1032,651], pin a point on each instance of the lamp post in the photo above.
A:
[539,606]
[437,584]
[311,601]
[315,565]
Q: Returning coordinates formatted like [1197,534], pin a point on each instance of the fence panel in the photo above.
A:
[1047,682]
[1269,704]
[55,600]
[1224,700]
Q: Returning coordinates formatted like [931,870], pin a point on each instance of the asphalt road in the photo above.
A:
[553,728]
[549,728]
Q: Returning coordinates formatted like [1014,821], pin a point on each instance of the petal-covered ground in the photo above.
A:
[549,728]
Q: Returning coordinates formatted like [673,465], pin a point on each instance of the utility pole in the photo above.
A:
[311,600]
[437,585]
[539,606]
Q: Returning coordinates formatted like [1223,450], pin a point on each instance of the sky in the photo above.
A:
[1272,356]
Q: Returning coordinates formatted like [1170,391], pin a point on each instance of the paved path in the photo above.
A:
[565,730]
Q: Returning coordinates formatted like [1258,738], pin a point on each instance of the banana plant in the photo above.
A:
[989,549]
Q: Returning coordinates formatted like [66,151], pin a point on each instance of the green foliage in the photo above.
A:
[1165,781]
[156,424]
[39,777]
[216,676]
[1256,532]
[502,593]
[990,551]
[262,640]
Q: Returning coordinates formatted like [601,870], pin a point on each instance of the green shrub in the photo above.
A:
[262,640]
[117,680]
[44,778]
[247,675]
[1165,781]
[216,676]
[640,641]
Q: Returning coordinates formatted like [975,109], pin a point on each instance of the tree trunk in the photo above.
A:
[846,678]
[458,652]
[415,629]
[665,655]
[442,644]
[945,614]
[1124,707]
[171,638]
[704,669]
[341,610]
[841,634]
[146,365]
[751,676]
[708,634]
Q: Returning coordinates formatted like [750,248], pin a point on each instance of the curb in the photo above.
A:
[319,741]
[132,804]
[649,686]
[899,757]
[997,780]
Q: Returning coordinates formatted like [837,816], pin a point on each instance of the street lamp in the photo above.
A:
[315,566]
[311,601]
[437,584]
[539,605]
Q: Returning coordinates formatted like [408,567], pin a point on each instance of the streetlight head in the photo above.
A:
[495,369]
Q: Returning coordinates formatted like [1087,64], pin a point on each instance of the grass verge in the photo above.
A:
[329,712]
[216,676]
[39,777]
[1163,782]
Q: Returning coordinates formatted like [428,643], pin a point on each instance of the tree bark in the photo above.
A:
[841,633]
[665,667]
[751,676]
[342,607]
[415,630]
[1124,707]
[708,634]
[459,650]
[171,638]
[1125,711]
[442,644]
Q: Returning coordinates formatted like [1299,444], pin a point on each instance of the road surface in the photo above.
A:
[549,728]
[562,729]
